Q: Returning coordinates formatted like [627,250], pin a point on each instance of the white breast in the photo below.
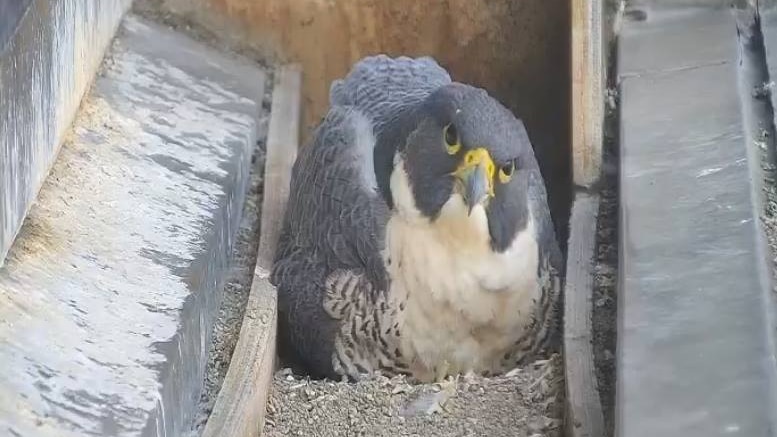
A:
[465,305]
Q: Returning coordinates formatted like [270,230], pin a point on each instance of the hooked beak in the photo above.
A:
[476,176]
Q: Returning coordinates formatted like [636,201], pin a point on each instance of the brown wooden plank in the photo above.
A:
[282,144]
[584,409]
[588,81]
[240,406]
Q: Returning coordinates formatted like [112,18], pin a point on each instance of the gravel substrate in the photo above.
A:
[526,402]
[605,298]
[605,302]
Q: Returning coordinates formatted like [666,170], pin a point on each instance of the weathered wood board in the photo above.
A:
[584,408]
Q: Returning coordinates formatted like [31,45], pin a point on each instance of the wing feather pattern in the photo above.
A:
[550,270]
[546,233]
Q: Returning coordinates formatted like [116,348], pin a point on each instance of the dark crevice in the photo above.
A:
[605,296]
[755,88]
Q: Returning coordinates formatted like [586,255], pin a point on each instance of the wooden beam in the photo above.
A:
[584,408]
[282,143]
[588,83]
[240,406]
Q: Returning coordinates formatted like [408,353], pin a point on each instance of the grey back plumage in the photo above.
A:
[382,87]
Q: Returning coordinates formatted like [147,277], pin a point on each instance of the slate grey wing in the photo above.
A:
[544,227]
[381,86]
[550,269]
[334,221]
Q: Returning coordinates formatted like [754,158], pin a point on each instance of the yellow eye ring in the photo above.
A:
[452,144]
[506,172]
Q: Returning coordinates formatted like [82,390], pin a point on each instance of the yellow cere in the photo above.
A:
[477,157]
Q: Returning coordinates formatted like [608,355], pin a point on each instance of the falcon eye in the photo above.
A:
[506,172]
[451,139]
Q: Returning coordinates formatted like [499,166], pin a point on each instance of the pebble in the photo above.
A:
[528,402]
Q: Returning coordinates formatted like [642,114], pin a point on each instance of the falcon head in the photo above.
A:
[461,156]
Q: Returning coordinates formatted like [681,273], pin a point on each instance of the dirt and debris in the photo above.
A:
[605,297]
[526,402]
[605,303]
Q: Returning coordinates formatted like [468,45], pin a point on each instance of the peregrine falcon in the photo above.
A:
[417,237]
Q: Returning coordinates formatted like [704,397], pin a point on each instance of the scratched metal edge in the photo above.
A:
[46,67]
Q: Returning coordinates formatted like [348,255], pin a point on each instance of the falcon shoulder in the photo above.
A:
[387,90]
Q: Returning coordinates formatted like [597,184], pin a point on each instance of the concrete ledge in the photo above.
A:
[108,295]
[695,353]
[241,404]
[49,53]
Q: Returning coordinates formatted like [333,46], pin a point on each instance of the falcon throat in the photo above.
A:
[465,307]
